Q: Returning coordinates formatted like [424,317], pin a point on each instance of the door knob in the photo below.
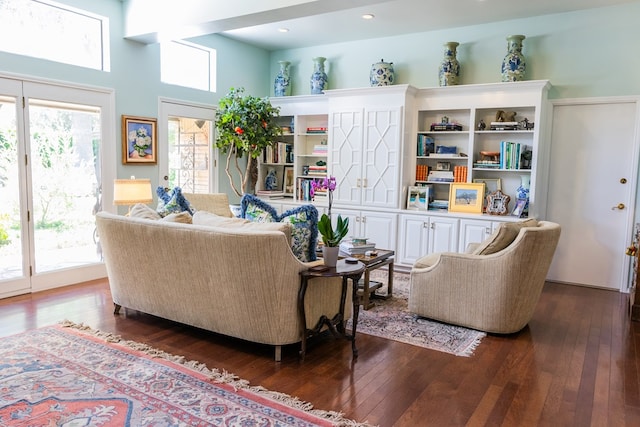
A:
[618,206]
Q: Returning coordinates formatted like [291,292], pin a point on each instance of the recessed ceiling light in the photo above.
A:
[368,16]
[283,30]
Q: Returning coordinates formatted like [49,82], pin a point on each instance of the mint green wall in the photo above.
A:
[135,75]
[583,54]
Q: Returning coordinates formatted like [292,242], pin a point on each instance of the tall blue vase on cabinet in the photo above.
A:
[282,83]
[319,77]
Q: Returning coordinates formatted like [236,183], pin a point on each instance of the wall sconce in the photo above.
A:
[131,191]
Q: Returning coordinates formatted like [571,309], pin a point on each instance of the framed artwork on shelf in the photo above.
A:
[288,180]
[466,197]
[139,140]
[418,198]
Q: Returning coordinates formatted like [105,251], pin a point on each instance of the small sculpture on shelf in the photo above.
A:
[482,125]
[271,181]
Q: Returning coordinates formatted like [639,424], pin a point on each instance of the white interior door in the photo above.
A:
[592,187]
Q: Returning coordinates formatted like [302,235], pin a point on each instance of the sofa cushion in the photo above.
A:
[140,210]
[503,237]
[183,217]
[303,220]
[213,220]
[172,201]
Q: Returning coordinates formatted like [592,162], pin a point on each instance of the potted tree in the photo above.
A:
[245,126]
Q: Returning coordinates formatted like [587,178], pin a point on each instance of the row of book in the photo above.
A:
[304,189]
[459,174]
[281,152]
[421,172]
[426,145]
[510,154]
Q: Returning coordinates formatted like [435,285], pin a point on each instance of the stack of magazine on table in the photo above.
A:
[349,248]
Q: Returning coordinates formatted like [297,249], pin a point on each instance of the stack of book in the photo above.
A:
[270,194]
[440,176]
[316,170]
[317,129]
[348,248]
[439,205]
[445,126]
[426,145]
[504,126]
[320,150]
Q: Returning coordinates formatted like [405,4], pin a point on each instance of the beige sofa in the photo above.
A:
[230,280]
[495,288]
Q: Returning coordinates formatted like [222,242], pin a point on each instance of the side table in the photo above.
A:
[336,325]
[383,257]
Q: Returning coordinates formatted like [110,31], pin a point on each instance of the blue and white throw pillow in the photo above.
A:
[172,201]
[303,220]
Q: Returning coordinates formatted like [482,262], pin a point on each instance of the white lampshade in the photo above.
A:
[131,191]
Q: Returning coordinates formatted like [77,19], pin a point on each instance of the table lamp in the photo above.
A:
[131,191]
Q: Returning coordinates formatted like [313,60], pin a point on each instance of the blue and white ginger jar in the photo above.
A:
[319,77]
[513,64]
[382,74]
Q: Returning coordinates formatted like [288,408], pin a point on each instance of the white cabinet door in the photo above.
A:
[473,231]
[381,157]
[345,156]
[443,234]
[413,242]
[365,150]
[378,227]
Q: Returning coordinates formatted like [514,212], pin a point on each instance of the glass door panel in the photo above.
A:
[66,187]
[12,259]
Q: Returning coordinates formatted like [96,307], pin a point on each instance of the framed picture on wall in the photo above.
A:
[139,140]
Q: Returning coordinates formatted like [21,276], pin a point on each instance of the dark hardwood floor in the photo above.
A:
[575,364]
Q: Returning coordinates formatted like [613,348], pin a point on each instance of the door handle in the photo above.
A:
[619,206]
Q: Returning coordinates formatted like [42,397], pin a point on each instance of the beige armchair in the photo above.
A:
[493,289]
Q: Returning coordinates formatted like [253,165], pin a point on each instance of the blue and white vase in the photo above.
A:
[449,70]
[513,64]
[319,77]
[282,84]
[382,74]
[522,193]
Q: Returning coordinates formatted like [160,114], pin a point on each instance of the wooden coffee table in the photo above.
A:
[365,288]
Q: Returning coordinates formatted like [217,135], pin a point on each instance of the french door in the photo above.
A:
[53,171]
[187,158]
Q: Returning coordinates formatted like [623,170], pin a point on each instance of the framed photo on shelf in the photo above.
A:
[518,210]
[498,203]
[466,197]
[491,184]
[288,180]
[418,198]
[139,140]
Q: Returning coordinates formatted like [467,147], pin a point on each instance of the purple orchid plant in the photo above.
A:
[330,237]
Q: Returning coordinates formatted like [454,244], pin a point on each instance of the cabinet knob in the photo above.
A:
[364,219]
[364,183]
[425,225]
[619,206]
[358,183]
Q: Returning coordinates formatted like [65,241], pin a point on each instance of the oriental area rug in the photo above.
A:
[70,375]
[391,319]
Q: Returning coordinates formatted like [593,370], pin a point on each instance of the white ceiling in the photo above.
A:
[318,22]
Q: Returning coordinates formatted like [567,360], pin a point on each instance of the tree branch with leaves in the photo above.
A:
[245,126]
